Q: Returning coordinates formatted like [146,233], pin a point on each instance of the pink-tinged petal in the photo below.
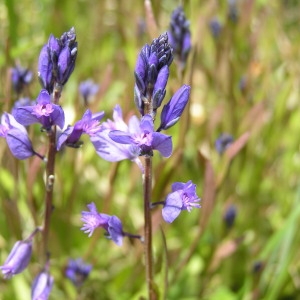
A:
[172,207]
[162,143]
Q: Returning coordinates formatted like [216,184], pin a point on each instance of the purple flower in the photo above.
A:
[152,73]
[77,271]
[88,89]
[180,35]
[109,149]
[57,60]
[44,112]
[111,224]
[42,286]
[142,135]
[215,27]
[16,137]
[223,142]
[229,216]
[183,197]
[18,259]
[20,77]
[89,124]
[174,109]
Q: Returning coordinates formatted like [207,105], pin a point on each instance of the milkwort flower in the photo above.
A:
[180,35]
[88,89]
[42,285]
[89,124]
[77,271]
[43,112]
[109,149]
[183,197]
[223,142]
[57,60]
[20,77]
[18,259]
[229,216]
[152,73]
[111,224]
[16,137]
[142,135]
[174,108]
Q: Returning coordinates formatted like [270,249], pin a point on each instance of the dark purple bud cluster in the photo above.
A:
[215,27]
[229,216]
[57,60]
[223,142]
[180,35]
[152,73]
[20,77]
[77,271]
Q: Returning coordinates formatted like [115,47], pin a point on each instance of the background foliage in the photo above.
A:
[244,82]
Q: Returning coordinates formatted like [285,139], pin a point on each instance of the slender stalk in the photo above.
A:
[148,109]
[49,187]
[148,227]
[50,167]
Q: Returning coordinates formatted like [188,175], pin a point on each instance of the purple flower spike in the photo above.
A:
[111,224]
[183,197]
[152,72]
[77,271]
[43,112]
[16,137]
[180,36]
[174,109]
[18,259]
[142,135]
[42,286]
[57,60]
[20,77]
[89,124]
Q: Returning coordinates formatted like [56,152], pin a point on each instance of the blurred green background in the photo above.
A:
[245,82]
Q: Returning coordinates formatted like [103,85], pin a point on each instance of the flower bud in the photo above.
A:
[18,259]
[42,286]
[174,109]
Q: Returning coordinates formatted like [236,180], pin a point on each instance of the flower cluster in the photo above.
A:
[152,73]
[77,271]
[20,78]
[57,60]
[180,36]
